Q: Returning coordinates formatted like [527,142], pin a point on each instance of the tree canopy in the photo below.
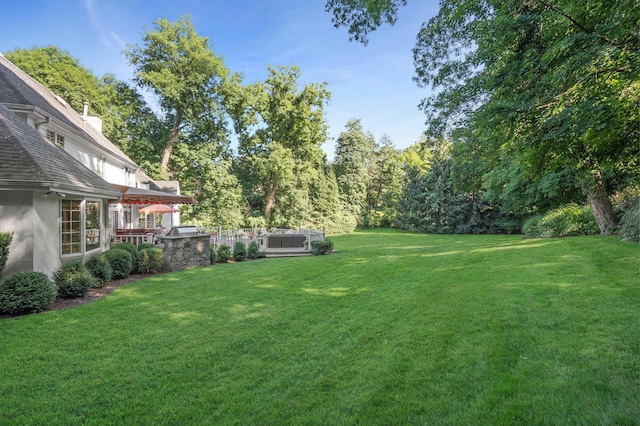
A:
[539,87]
[182,70]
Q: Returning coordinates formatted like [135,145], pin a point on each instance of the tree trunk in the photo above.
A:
[602,208]
[269,200]
[166,152]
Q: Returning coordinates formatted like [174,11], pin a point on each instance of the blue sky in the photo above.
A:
[373,82]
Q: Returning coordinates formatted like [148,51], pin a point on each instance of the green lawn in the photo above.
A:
[395,328]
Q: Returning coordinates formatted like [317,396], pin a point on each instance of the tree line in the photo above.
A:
[536,106]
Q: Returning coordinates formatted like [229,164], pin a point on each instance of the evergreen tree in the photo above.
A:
[354,153]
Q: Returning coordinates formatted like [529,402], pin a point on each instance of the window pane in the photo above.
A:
[70,227]
[92,225]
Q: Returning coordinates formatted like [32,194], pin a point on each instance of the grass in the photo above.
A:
[396,328]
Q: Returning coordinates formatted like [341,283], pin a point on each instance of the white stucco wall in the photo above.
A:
[46,235]
[16,216]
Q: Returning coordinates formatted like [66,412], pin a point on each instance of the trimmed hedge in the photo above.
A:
[224,253]
[73,279]
[253,250]
[149,260]
[26,292]
[239,251]
[120,261]
[321,247]
[99,267]
[133,251]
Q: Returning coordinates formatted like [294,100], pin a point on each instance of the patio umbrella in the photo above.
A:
[158,208]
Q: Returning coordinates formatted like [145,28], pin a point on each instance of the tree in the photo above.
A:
[181,69]
[555,86]
[385,182]
[280,132]
[354,153]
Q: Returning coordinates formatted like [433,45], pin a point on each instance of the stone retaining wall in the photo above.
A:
[185,252]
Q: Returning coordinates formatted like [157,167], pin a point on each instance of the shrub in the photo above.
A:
[630,223]
[5,242]
[531,227]
[145,246]
[120,261]
[224,253]
[26,292]
[149,260]
[73,279]
[212,254]
[99,267]
[321,247]
[133,251]
[253,250]
[239,251]
[565,221]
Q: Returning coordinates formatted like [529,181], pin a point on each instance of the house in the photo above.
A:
[64,187]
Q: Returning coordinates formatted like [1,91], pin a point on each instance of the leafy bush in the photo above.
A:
[321,247]
[26,292]
[120,261]
[73,279]
[99,267]
[5,242]
[224,253]
[253,250]
[145,246]
[133,251]
[149,260]
[239,251]
[212,255]
[630,224]
[531,227]
[565,221]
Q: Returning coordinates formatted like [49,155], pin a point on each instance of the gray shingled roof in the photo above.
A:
[18,88]
[29,159]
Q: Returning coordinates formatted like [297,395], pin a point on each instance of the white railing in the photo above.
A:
[135,239]
[230,237]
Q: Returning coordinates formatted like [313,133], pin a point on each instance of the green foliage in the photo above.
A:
[430,203]
[5,242]
[354,154]
[224,253]
[181,69]
[121,262]
[73,279]
[281,130]
[362,17]
[566,221]
[239,251]
[26,292]
[212,254]
[384,186]
[149,260]
[143,246]
[99,267]
[321,247]
[630,224]
[253,251]
[133,251]
[340,223]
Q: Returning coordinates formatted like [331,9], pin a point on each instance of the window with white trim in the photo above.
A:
[79,226]
[56,138]
[100,163]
